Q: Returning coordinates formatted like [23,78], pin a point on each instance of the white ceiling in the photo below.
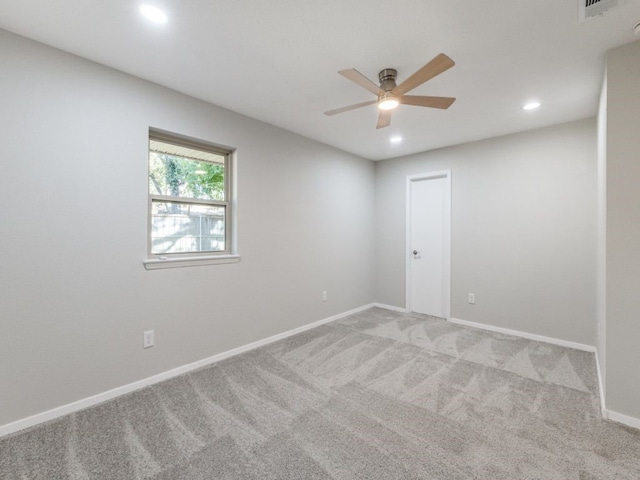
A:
[276,60]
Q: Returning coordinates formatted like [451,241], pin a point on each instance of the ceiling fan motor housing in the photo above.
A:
[388,79]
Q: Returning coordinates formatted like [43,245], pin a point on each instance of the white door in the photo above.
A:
[429,237]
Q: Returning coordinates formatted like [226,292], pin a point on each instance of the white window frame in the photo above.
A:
[173,260]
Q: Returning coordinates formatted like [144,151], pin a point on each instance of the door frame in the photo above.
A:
[411,179]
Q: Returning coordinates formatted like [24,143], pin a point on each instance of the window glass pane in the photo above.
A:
[185,173]
[184,228]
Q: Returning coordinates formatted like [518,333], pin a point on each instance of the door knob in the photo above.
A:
[415,252]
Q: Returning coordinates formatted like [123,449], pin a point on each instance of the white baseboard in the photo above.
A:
[621,418]
[528,336]
[116,392]
[390,307]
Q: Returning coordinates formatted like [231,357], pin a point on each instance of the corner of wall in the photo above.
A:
[601,285]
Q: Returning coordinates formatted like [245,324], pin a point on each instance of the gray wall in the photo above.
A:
[74,295]
[623,231]
[523,229]
[75,298]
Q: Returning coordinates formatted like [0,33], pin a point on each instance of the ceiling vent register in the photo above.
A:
[592,8]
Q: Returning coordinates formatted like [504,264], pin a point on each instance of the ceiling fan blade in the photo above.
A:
[384,118]
[433,102]
[349,107]
[436,66]
[356,77]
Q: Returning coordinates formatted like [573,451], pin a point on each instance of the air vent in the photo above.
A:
[592,8]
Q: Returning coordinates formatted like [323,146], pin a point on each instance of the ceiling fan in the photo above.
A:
[391,95]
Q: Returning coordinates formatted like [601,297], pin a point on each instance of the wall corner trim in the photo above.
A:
[603,408]
[84,403]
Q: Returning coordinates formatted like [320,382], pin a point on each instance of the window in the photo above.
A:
[189,198]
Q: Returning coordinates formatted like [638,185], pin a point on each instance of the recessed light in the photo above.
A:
[396,139]
[153,14]
[531,106]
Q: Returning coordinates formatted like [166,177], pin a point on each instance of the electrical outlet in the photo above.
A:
[148,339]
[324,295]
[472,298]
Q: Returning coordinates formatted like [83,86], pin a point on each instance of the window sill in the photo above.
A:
[176,262]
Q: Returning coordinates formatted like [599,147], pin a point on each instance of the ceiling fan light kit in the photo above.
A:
[387,101]
[391,95]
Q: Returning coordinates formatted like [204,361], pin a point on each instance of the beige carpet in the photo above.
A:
[379,395]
